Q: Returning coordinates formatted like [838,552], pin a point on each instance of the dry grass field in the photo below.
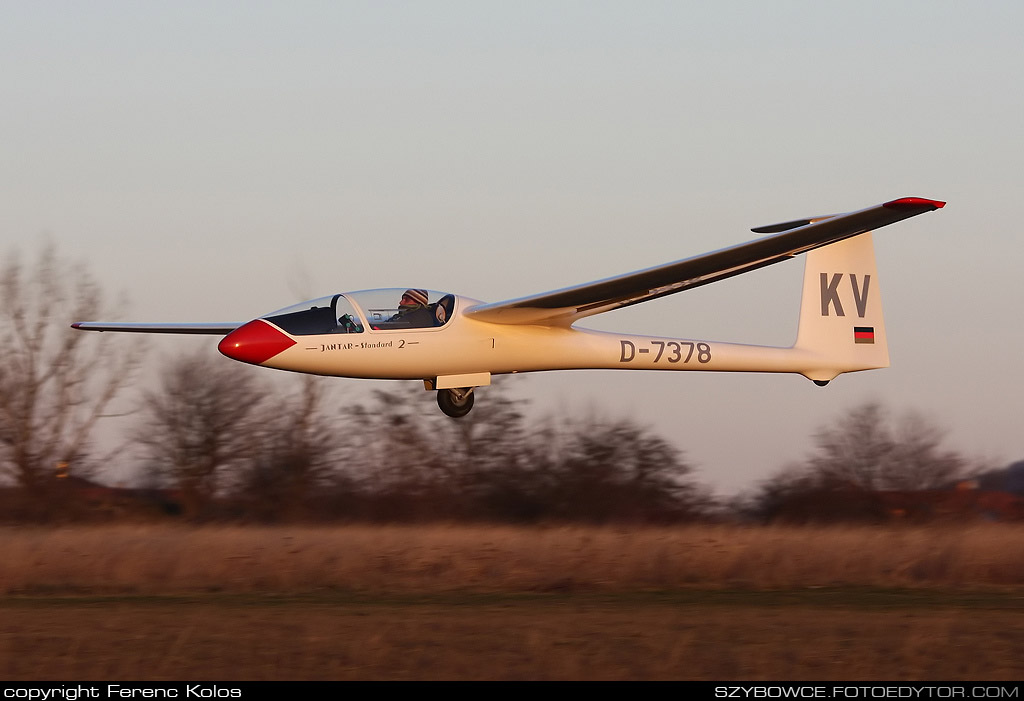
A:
[459,602]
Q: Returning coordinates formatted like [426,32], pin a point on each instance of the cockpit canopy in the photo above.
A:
[373,310]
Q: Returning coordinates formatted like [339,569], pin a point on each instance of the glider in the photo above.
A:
[456,344]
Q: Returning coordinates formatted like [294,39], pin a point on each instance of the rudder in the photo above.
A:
[841,326]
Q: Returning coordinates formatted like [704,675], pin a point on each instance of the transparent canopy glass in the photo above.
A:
[333,314]
[380,310]
[401,308]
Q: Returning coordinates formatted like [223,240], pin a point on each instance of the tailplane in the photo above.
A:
[841,326]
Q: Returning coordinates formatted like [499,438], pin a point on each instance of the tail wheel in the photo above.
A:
[456,403]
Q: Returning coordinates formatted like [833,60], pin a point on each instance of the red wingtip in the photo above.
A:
[914,203]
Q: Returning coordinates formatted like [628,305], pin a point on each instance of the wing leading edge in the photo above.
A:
[564,307]
[210,329]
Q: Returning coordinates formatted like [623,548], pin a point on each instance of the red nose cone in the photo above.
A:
[255,342]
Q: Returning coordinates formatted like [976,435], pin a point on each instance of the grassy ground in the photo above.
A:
[152,602]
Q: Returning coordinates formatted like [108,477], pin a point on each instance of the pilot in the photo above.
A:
[414,309]
[412,300]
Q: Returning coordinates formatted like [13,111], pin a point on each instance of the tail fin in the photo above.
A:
[841,324]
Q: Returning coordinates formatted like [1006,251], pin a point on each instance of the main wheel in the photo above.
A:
[455,402]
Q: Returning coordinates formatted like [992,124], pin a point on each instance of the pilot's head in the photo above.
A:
[413,298]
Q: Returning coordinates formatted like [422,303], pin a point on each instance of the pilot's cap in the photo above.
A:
[417,296]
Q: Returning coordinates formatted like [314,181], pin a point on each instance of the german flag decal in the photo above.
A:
[863,334]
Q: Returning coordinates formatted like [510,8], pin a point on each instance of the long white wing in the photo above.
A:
[564,307]
[209,329]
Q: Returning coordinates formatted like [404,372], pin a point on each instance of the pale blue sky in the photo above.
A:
[219,160]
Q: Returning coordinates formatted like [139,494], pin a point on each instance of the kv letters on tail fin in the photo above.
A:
[841,324]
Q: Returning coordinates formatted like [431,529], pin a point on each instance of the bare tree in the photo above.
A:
[869,449]
[857,457]
[55,383]
[414,462]
[391,442]
[203,419]
[615,469]
[918,459]
[295,448]
[855,448]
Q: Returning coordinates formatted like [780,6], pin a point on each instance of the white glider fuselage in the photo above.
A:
[466,346]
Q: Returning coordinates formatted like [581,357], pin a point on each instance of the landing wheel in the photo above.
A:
[455,402]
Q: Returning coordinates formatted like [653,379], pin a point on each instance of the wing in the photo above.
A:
[564,307]
[209,329]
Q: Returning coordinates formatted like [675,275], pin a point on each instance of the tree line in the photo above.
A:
[228,442]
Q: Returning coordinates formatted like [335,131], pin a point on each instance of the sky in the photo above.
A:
[217,161]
